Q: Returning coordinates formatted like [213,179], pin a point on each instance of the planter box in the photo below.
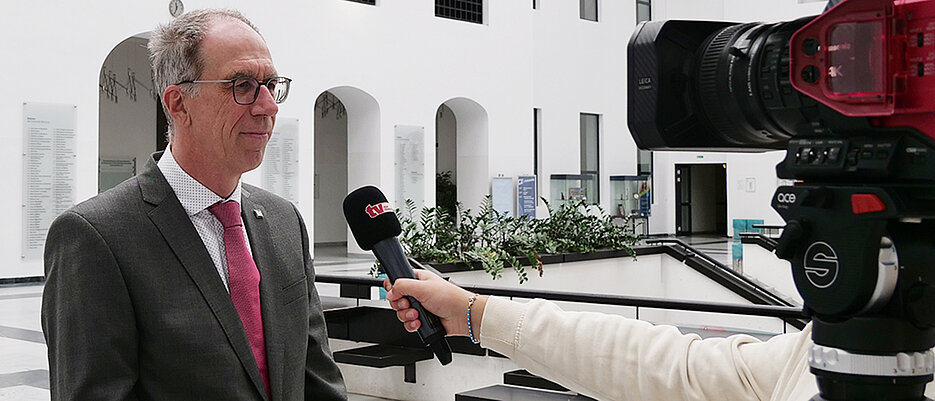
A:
[450,267]
[545,258]
[550,258]
[600,254]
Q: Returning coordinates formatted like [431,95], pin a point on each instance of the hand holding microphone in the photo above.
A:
[439,297]
[375,226]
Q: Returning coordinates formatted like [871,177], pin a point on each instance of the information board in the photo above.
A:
[113,171]
[410,165]
[49,170]
[501,194]
[281,161]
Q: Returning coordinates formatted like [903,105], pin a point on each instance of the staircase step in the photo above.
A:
[382,355]
[379,325]
[369,325]
[526,379]
[502,392]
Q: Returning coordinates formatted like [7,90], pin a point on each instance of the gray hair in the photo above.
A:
[175,50]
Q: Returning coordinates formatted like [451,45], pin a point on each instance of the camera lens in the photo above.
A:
[743,87]
[716,85]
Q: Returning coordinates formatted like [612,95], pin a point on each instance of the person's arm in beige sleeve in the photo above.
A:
[609,357]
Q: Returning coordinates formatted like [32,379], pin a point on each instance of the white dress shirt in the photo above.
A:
[196,198]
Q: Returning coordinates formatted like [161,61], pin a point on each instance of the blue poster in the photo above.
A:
[644,204]
[526,196]
[644,194]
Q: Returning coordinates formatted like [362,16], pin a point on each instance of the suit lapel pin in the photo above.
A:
[258,213]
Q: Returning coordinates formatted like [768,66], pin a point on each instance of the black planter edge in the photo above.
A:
[559,258]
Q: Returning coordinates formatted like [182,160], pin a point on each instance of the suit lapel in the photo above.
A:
[173,222]
[271,282]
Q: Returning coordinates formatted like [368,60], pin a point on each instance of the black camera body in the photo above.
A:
[850,95]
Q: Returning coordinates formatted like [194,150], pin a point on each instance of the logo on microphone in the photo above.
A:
[375,210]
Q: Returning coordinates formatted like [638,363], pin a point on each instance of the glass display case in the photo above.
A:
[570,187]
[630,199]
[629,195]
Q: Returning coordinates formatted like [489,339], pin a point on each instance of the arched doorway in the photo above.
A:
[461,148]
[132,124]
[446,159]
[347,156]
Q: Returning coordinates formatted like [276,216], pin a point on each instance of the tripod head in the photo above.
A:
[860,235]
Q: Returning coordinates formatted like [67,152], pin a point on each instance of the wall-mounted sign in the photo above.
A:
[113,171]
[410,165]
[49,172]
[501,195]
[526,196]
[281,161]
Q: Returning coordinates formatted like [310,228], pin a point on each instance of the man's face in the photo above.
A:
[231,135]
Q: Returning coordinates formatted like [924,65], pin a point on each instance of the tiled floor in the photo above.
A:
[24,369]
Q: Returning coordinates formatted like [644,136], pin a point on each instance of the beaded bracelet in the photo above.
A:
[471,300]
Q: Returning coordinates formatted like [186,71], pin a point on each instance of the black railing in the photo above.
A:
[768,229]
[763,241]
[787,313]
[717,271]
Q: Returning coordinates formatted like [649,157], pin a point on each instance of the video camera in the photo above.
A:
[850,95]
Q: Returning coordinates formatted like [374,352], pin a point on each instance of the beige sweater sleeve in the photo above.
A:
[610,357]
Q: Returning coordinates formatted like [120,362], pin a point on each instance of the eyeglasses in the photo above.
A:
[246,89]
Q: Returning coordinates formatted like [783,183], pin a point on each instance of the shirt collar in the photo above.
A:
[194,196]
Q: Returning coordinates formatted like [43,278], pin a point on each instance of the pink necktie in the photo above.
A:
[244,281]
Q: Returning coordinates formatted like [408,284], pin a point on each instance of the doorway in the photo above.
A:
[446,159]
[131,121]
[461,153]
[330,172]
[347,157]
[701,199]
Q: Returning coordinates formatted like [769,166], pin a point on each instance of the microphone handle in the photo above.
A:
[395,264]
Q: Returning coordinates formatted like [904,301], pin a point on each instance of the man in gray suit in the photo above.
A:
[182,283]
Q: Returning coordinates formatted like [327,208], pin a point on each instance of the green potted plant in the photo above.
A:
[451,238]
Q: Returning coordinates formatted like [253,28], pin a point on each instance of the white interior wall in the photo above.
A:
[331,170]
[414,67]
[472,160]
[62,46]
[366,158]
[580,67]
[130,130]
[770,10]
[692,9]
[735,10]
[519,59]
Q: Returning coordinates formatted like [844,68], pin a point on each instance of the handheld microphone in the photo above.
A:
[375,226]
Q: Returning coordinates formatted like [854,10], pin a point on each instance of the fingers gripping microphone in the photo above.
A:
[375,226]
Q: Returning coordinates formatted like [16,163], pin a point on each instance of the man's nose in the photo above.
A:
[264,104]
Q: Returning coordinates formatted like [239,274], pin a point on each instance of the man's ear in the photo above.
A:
[174,100]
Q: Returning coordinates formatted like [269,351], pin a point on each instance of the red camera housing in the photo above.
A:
[871,58]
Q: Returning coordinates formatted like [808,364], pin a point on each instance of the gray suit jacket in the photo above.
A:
[133,307]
